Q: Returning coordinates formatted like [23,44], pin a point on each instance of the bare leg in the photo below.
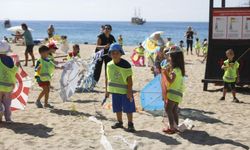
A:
[47,89]
[119,116]
[26,58]
[224,92]
[41,95]
[33,58]
[130,117]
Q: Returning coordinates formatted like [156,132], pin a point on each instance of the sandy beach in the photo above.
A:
[218,125]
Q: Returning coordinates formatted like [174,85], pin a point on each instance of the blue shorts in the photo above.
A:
[120,103]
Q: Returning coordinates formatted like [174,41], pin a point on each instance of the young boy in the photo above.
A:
[119,84]
[120,40]
[43,73]
[74,53]
[8,72]
[231,75]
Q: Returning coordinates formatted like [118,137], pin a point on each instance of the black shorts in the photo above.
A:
[230,85]
[29,48]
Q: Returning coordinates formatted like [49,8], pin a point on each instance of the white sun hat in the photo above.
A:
[4,47]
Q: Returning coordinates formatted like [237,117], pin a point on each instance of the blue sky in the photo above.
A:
[107,10]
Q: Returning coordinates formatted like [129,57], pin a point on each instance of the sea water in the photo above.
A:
[85,31]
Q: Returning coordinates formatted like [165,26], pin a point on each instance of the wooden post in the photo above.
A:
[210,34]
[223,3]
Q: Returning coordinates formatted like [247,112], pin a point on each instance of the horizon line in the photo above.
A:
[101,20]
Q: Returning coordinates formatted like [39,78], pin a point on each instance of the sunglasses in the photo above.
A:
[107,28]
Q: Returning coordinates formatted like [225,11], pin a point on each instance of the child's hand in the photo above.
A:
[130,96]
[107,94]
[238,80]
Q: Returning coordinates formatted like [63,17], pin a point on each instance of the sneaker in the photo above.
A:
[117,125]
[9,121]
[222,98]
[235,100]
[39,104]
[49,106]
[131,127]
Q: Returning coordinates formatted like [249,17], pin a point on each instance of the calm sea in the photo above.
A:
[83,31]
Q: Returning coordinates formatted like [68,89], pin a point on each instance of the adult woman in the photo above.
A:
[51,31]
[189,38]
[105,39]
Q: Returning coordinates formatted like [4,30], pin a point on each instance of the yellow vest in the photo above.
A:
[230,73]
[47,70]
[70,57]
[176,89]
[169,44]
[117,78]
[140,51]
[51,57]
[7,77]
[197,46]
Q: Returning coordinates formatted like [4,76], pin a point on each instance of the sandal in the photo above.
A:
[169,131]
[49,106]
[236,100]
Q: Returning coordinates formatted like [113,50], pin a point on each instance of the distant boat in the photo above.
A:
[137,19]
[7,23]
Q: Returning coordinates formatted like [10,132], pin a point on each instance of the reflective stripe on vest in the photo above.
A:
[6,84]
[118,85]
[175,92]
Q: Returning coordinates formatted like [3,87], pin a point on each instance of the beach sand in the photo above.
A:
[218,125]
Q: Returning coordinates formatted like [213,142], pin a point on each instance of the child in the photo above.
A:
[8,72]
[231,75]
[119,84]
[175,90]
[157,64]
[205,50]
[137,57]
[169,43]
[43,73]
[181,45]
[120,40]
[74,53]
[197,47]
[64,45]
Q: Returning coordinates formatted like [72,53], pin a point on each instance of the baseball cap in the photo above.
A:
[116,47]
[52,46]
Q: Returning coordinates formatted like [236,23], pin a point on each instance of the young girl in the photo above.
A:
[197,47]
[74,53]
[175,89]
[8,70]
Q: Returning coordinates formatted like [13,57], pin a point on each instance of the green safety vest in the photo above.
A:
[7,77]
[117,78]
[175,90]
[205,49]
[230,73]
[47,70]
[70,57]
[169,44]
[51,57]
[140,51]
[197,46]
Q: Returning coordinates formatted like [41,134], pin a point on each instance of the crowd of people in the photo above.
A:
[118,72]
